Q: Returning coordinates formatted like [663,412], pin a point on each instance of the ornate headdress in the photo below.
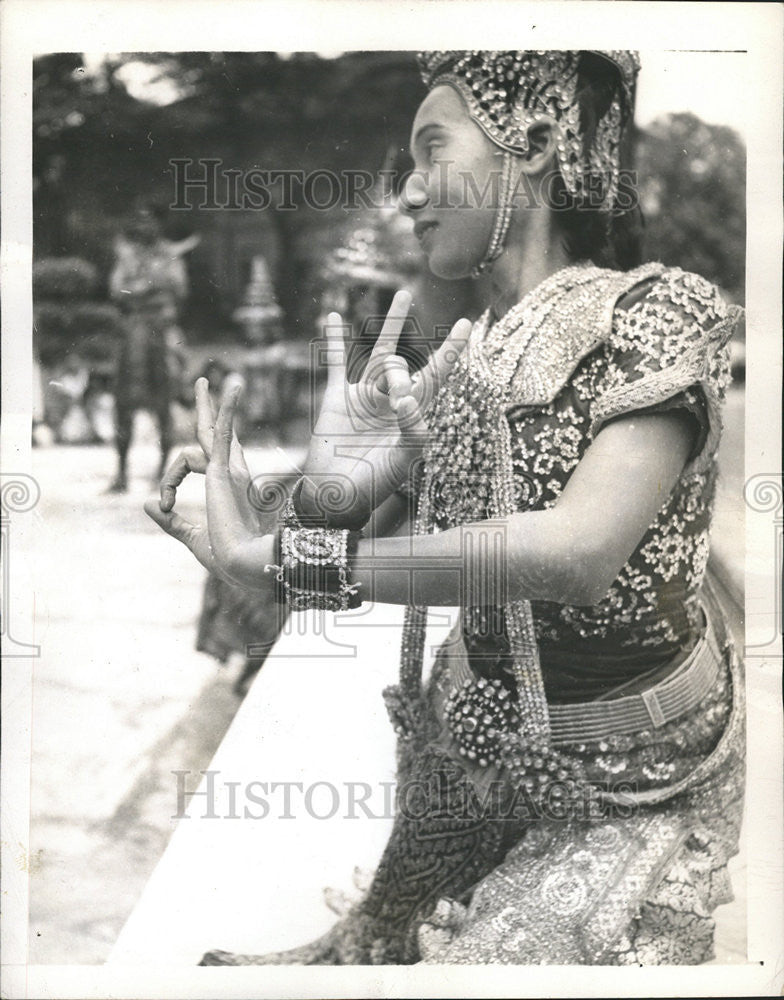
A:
[506,92]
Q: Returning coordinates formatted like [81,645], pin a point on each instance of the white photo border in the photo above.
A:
[31,27]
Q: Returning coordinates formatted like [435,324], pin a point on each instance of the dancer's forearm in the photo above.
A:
[569,554]
[526,556]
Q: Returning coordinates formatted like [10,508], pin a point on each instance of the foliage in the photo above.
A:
[692,191]
[89,329]
[64,278]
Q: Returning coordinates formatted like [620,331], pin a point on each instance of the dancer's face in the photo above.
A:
[452,193]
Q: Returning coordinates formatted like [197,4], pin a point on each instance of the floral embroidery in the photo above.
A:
[663,353]
[559,444]
[667,351]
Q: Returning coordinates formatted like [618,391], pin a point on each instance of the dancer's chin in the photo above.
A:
[449,268]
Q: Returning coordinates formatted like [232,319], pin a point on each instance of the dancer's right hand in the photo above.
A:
[369,433]
[228,543]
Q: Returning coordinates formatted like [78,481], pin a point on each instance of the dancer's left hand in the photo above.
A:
[229,484]
[369,433]
[195,457]
[238,549]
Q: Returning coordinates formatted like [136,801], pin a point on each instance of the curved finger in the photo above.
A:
[390,334]
[193,536]
[398,379]
[335,355]
[205,415]
[237,459]
[413,429]
[190,459]
[224,426]
[445,358]
[230,518]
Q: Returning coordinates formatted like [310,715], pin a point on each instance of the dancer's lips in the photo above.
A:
[421,229]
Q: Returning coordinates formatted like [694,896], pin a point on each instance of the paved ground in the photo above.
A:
[121,698]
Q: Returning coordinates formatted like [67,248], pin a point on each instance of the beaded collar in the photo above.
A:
[539,342]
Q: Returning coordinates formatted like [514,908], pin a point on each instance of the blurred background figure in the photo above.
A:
[67,391]
[149,282]
[99,404]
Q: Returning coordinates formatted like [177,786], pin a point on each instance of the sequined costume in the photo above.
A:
[521,838]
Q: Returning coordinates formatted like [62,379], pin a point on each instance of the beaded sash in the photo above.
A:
[523,359]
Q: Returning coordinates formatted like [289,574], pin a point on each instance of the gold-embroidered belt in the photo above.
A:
[670,699]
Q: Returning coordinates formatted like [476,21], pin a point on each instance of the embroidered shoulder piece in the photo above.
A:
[674,339]
[579,322]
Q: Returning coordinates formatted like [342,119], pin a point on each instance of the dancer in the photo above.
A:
[570,776]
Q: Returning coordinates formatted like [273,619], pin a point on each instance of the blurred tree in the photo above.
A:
[97,147]
[693,195]
[262,110]
[89,142]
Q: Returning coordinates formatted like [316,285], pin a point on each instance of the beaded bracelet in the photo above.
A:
[292,515]
[312,569]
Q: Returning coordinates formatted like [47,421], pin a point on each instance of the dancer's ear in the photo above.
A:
[543,138]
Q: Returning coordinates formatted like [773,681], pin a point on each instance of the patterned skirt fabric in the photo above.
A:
[472,878]
[637,882]
[628,879]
